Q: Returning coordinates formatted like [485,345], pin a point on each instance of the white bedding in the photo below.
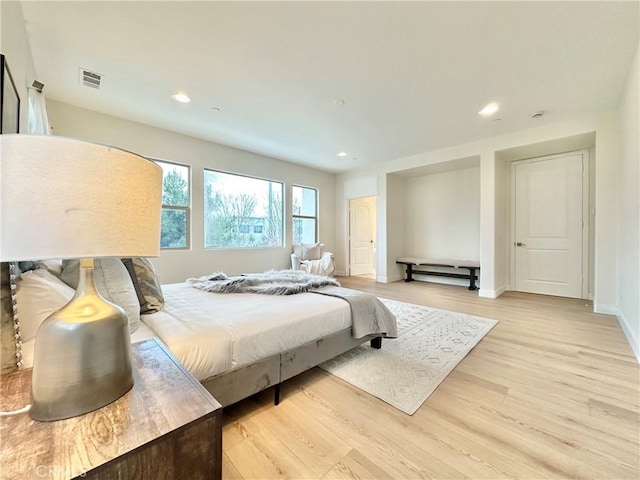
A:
[211,333]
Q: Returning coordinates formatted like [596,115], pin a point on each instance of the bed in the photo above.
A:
[291,334]
[238,344]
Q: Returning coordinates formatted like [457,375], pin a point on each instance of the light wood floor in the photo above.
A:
[551,392]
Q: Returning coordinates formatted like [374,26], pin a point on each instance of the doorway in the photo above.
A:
[550,225]
[362,236]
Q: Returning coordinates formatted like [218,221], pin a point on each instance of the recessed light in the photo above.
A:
[341,154]
[181,97]
[538,114]
[338,101]
[217,109]
[489,110]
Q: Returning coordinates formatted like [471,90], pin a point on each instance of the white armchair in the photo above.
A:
[312,259]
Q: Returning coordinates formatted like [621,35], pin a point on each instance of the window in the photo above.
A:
[305,215]
[175,226]
[241,212]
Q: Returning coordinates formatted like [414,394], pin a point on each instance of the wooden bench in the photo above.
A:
[412,262]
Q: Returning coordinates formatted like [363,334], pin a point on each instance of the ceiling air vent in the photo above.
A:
[90,79]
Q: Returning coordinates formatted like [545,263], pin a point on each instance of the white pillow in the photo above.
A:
[112,281]
[308,251]
[39,294]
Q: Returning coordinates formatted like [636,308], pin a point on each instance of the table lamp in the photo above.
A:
[66,198]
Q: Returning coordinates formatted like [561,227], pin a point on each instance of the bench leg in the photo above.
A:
[376,343]
[409,273]
[472,279]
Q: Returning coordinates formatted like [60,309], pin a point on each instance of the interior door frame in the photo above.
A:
[586,227]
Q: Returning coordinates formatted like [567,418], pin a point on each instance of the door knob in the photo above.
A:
[520,244]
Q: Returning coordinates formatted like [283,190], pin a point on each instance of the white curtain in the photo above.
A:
[38,122]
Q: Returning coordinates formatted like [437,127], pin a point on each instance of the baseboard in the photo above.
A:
[486,293]
[633,341]
[605,309]
[340,273]
[389,279]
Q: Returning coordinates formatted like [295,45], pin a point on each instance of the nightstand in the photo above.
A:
[166,427]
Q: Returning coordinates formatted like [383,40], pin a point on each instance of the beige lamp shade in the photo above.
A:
[66,198]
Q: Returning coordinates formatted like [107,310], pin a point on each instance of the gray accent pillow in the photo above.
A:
[113,283]
[146,283]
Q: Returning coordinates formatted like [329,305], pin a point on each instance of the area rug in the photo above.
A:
[406,370]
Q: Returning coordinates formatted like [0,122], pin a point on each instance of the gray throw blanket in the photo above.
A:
[277,282]
[369,315]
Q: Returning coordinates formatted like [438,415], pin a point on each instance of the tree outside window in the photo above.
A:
[305,214]
[241,211]
[175,222]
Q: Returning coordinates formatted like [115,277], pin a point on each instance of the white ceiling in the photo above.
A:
[413,75]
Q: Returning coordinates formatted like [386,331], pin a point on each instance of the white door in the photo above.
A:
[550,203]
[362,236]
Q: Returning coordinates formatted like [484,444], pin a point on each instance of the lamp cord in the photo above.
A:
[16,412]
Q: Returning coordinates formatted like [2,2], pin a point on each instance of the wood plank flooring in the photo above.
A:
[551,392]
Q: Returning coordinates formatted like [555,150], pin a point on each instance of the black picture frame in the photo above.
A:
[9,100]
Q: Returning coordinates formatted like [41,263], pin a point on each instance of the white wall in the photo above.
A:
[360,187]
[502,206]
[629,211]
[606,217]
[494,235]
[394,206]
[177,265]
[14,44]
[489,253]
[442,217]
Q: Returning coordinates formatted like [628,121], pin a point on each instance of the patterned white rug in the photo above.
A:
[406,370]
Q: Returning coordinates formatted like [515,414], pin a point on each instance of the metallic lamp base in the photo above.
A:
[82,358]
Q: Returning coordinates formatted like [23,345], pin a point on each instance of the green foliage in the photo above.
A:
[175,189]
[173,232]
[174,221]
